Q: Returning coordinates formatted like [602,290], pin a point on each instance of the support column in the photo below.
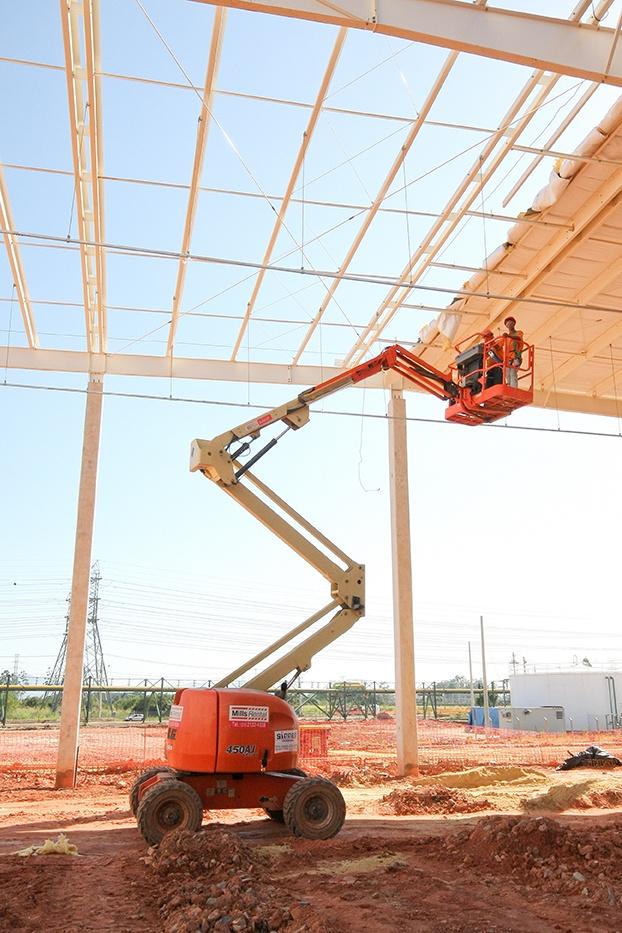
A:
[76,629]
[405,691]
[484,677]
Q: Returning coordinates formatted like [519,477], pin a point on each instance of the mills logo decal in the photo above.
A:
[250,717]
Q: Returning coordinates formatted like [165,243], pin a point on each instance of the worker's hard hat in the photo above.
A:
[487,333]
[508,319]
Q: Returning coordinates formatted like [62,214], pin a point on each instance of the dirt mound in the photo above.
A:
[484,776]
[214,881]
[432,799]
[360,776]
[578,795]
[540,851]
[602,797]
[561,797]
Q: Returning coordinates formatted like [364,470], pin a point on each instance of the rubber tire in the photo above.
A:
[151,822]
[277,815]
[149,773]
[304,795]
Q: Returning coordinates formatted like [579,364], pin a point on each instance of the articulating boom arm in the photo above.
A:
[215,458]
[218,460]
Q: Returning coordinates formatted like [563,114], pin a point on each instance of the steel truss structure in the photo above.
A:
[562,278]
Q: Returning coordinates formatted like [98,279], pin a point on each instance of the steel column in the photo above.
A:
[66,763]
[405,692]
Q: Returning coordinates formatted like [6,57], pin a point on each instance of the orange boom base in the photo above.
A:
[233,749]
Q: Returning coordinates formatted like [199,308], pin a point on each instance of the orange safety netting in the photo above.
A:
[372,741]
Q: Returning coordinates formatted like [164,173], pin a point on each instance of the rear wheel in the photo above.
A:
[140,780]
[277,815]
[314,808]
[166,806]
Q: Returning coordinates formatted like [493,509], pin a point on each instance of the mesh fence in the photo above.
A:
[99,746]
[370,742]
[453,745]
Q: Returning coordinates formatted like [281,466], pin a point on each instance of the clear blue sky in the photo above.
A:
[191,584]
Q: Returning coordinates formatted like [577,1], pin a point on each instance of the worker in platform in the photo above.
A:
[514,351]
[494,360]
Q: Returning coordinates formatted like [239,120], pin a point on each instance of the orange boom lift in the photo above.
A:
[237,747]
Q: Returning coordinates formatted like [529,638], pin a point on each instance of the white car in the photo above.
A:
[135,717]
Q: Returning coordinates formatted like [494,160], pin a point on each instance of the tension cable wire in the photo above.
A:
[342,414]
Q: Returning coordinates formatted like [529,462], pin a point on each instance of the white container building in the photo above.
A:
[591,700]
[533,718]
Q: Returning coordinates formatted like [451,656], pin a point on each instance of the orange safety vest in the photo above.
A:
[514,350]
[515,355]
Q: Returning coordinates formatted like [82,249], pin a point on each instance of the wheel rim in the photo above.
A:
[316,810]
[169,815]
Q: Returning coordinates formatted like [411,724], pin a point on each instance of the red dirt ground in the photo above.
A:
[431,799]
[383,873]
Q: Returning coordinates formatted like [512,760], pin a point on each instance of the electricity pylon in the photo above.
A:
[94,666]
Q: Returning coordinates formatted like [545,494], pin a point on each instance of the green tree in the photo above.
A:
[458,681]
[14,697]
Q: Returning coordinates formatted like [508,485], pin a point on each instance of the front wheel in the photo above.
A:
[314,808]
[166,806]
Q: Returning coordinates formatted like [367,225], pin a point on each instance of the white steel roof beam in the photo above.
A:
[306,139]
[213,64]
[378,200]
[15,263]
[70,11]
[123,364]
[93,87]
[561,46]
